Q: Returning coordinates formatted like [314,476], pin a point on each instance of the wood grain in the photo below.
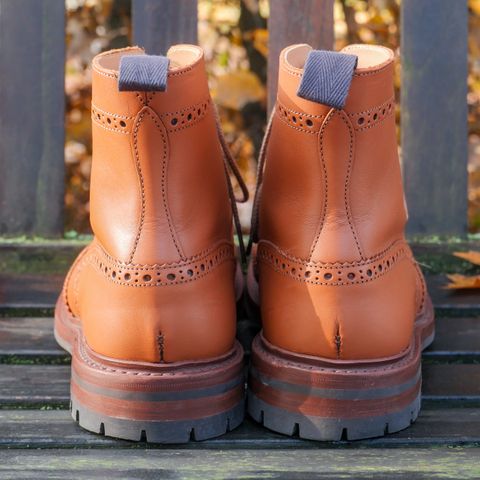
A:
[296,21]
[159,24]
[56,429]
[32,113]
[280,464]
[434,114]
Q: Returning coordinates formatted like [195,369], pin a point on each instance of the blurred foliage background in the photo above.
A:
[235,38]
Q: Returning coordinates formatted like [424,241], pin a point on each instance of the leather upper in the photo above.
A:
[336,277]
[157,282]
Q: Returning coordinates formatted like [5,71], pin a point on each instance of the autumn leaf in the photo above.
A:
[471,256]
[475,6]
[459,282]
[236,89]
[260,40]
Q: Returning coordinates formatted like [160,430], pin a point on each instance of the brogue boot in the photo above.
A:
[148,309]
[344,308]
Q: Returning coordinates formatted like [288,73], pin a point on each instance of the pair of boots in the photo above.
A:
[148,310]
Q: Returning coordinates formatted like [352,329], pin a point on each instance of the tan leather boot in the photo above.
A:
[344,307]
[148,308]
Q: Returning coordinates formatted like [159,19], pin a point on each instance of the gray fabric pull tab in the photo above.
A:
[327,77]
[143,73]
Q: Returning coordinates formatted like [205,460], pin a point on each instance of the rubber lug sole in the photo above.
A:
[320,399]
[160,403]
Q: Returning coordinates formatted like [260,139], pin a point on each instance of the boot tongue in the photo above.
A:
[327,77]
[143,73]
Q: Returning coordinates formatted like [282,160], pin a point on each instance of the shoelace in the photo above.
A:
[258,191]
[231,165]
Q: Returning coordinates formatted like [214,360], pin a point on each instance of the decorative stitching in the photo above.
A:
[109,114]
[105,74]
[422,286]
[136,275]
[73,270]
[94,120]
[347,183]
[332,274]
[142,186]
[356,74]
[182,72]
[291,126]
[230,358]
[339,264]
[161,346]
[173,234]
[292,72]
[361,121]
[185,118]
[325,178]
[121,124]
[409,353]
[338,339]
[301,121]
[373,116]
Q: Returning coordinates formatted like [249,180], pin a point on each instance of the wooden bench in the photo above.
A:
[38,438]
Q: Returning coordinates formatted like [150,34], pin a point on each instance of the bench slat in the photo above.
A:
[296,21]
[434,40]
[56,429]
[281,464]
[32,117]
[159,24]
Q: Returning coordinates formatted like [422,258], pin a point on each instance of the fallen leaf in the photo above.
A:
[458,282]
[471,256]
[236,89]
[260,40]
[475,6]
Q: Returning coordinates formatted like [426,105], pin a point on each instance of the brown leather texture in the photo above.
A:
[157,282]
[336,277]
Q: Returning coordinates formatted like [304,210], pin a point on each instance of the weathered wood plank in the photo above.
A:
[442,463]
[28,338]
[34,386]
[434,114]
[452,302]
[158,24]
[31,385]
[456,338]
[32,55]
[296,21]
[32,273]
[29,294]
[56,429]
[451,382]
[31,339]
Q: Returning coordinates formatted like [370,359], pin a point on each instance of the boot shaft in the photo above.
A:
[332,189]
[158,185]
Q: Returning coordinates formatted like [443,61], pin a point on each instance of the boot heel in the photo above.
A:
[327,400]
[162,403]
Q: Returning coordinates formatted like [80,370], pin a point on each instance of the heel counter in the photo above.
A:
[350,311]
[159,313]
